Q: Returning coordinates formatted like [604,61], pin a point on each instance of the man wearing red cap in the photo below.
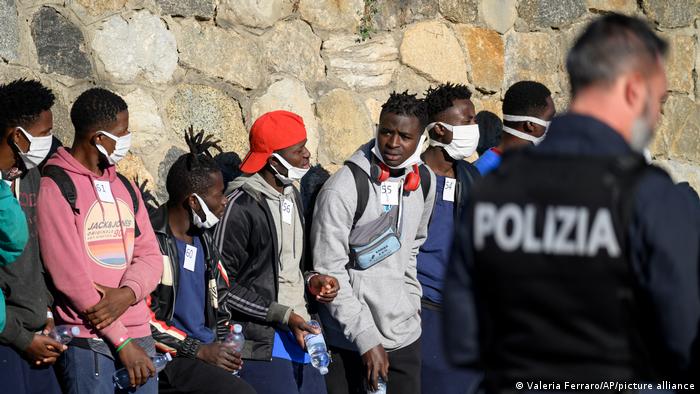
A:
[261,240]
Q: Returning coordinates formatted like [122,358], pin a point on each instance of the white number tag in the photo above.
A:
[287,207]
[389,193]
[190,257]
[448,193]
[104,191]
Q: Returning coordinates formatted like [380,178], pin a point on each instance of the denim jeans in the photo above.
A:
[83,371]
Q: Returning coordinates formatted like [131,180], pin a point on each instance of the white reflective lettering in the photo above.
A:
[603,235]
[563,244]
[509,213]
[484,222]
[530,243]
[567,230]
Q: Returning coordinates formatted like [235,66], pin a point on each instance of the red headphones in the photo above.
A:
[380,173]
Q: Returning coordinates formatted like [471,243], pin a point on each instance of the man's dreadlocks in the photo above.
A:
[191,172]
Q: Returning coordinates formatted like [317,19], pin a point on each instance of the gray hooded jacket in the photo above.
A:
[380,305]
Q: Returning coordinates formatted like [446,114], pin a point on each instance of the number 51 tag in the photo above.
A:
[389,193]
[104,191]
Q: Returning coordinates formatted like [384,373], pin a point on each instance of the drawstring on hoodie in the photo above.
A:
[119,215]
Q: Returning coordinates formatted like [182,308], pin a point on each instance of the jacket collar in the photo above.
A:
[583,135]
[159,220]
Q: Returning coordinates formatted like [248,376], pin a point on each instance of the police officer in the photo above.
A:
[579,262]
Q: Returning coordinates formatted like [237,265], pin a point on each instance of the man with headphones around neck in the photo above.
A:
[373,326]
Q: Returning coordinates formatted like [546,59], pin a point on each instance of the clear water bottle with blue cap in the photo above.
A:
[235,340]
[121,377]
[63,334]
[316,347]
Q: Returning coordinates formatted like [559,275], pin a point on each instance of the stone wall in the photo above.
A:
[218,64]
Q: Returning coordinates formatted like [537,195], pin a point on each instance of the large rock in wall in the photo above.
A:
[252,13]
[59,44]
[9,30]
[432,49]
[289,94]
[239,61]
[362,65]
[141,45]
[208,109]
[293,48]
[346,125]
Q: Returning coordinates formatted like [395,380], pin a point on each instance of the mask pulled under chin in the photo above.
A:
[121,147]
[465,139]
[414,159]
[39,148]
[293,173]
[210,219]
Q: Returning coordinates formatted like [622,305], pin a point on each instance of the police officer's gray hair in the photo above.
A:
[610,46]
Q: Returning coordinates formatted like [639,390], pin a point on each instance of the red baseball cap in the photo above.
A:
[272,131]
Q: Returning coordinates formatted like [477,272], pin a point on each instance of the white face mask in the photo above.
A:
[39,148]
[464,140]
[121,147]
[293,173]
[642,131]
[211,219]
[414,159]
[526,136]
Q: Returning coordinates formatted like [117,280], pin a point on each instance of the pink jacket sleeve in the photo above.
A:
[146,268]
[64,255]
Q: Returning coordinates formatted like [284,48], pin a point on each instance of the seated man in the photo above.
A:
[184,306]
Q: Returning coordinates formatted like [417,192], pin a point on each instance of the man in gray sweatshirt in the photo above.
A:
[373,326]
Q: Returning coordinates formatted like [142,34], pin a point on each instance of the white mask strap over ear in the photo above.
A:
[521,118]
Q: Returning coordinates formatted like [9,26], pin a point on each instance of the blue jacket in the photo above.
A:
[665,251]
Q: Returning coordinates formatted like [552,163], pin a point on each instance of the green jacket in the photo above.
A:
[13,235]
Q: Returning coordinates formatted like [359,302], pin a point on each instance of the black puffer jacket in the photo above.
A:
[247,240]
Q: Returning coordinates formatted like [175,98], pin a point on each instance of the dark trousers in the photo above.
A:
[18,376]
[85,371]
[347,373]
[281,376]
[191,376]
[437,375]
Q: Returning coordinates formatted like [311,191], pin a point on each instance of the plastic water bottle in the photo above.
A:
[381,386]
[63,334]
[235,340]
[316,346]
[121,377]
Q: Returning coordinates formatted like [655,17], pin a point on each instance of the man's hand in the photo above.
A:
[113,304]
[137,362]
[221,355]
[376,363]
[48,326]
[324,287]
[300,328]
[44,350]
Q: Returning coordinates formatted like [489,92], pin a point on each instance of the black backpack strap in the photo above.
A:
[362,187]
[424,180]
[134,200]
[64,183]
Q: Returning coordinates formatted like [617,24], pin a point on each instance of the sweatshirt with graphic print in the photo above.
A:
[97,245]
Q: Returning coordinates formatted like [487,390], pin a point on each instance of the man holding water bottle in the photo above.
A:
[261,240]
[183,319]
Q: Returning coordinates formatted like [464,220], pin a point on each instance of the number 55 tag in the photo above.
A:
[389,193]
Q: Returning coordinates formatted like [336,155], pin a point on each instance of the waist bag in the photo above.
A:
[375,241]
